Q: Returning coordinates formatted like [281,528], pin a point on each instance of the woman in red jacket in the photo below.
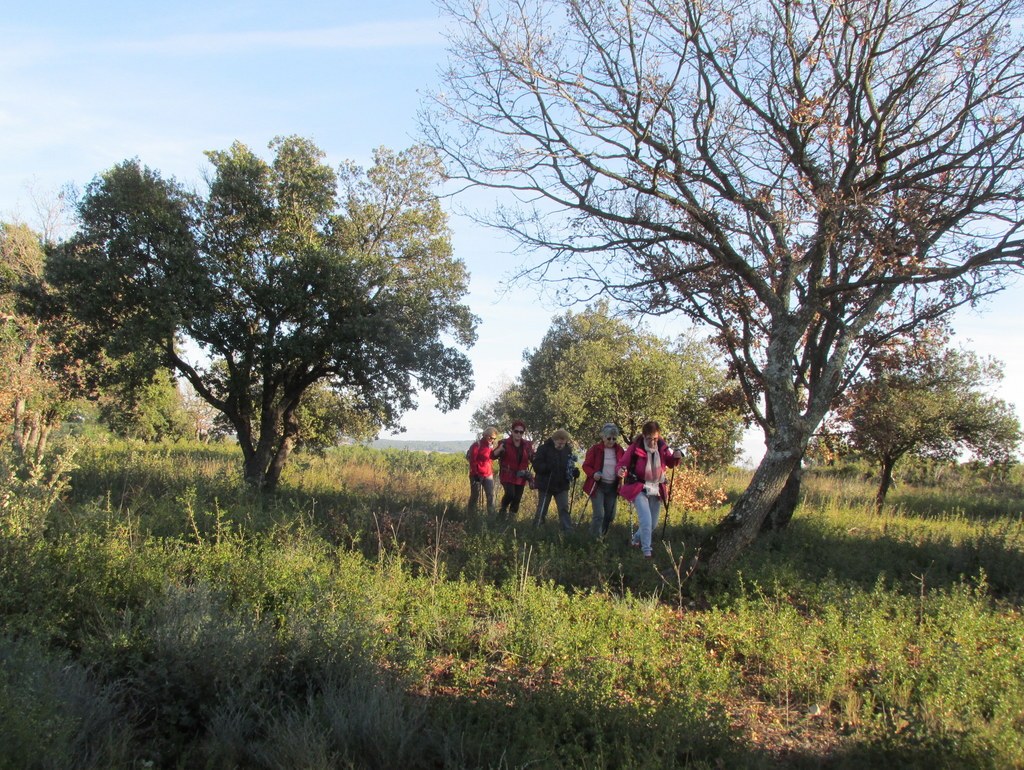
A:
[514,455]
[481,469]
[602,484]
[642,471]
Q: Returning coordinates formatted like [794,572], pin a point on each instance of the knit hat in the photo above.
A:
[610,430]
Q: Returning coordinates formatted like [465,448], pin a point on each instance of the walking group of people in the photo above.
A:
[635,472]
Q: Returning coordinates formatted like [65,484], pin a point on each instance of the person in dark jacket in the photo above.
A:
[514,455]
[642,472]
[555,466]
[602,484]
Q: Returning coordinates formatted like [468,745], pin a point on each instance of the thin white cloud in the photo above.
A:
[22,53]
[402,34]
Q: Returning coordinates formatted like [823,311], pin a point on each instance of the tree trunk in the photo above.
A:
[278,430]
[18,427]
[782,512]
[257,465]
[41,442]
[251,470]
[739,529]
[255,455]
[284,449]
[888,463]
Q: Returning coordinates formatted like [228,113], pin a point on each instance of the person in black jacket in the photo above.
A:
[555,466]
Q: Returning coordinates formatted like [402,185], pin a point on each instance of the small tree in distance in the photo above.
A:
[592,368]
[928,400]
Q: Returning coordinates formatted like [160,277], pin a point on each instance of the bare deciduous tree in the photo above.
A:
[807,178]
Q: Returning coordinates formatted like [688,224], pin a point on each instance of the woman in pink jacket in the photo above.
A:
[602,485]
[642,472]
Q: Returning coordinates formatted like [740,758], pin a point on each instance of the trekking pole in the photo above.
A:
[543,502]
[630,522]
[668,499]
[621,479]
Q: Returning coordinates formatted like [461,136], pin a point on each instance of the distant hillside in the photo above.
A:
[450,447]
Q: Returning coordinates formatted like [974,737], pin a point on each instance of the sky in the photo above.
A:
[84,86]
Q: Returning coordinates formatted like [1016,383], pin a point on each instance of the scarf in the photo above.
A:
[653,470]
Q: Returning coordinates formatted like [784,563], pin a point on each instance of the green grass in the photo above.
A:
[157,614]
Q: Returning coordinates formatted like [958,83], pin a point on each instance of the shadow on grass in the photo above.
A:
[904,557]
[370,721]
[550,726]
[808,551]
[313,708]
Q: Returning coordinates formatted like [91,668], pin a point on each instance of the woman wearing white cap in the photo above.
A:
[602,484]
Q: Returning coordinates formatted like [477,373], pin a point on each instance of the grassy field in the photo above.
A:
[156,614]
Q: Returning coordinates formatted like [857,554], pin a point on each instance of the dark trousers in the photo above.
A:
[513,494]
[561,499]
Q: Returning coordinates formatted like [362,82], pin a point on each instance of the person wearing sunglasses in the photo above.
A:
[481,469]
[642,472]
[514,455]
[602,483]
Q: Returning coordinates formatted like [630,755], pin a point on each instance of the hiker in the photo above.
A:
[481,469]
[642,472]
[514,455]
[555,466]
[602,483]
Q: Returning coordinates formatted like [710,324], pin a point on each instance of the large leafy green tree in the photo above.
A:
[592,368]
[931,401]
[805,177]
[285,274]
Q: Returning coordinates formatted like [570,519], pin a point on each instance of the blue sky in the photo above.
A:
[86,85]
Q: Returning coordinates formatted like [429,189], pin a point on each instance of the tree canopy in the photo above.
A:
[40,383]
[592,368]
[285,274]
[808,179]
[928,400]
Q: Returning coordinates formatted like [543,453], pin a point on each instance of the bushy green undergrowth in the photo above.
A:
[161,615]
